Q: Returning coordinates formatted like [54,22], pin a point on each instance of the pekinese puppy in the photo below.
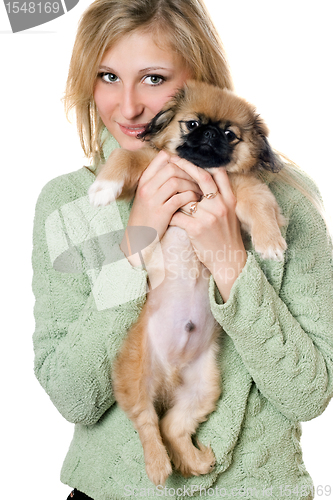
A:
[212,128]
[166,376]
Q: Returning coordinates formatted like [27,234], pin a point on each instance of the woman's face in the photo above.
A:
[136,78]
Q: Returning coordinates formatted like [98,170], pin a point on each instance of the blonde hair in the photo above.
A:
[186,28]
[292,175]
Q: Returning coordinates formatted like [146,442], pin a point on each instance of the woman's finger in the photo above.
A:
[201,176]
[221,179]
[180,199]
[158,163]
[161,165]
[175,186]
[166,182]
[178,219]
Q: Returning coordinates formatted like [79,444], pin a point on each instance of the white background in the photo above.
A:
[280,54]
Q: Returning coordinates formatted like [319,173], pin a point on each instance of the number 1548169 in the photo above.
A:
[32,7]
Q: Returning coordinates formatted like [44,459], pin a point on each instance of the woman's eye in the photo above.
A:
[109,77]
[230,135]
[192,124]
[154,79]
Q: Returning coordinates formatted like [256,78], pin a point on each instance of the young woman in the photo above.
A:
[276,318]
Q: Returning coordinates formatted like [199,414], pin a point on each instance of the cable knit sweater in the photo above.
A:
[276,355]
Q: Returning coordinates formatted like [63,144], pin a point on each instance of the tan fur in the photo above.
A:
[155,394]
[143,389]
[127,166]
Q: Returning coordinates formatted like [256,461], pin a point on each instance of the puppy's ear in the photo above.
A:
[158,123]
[266,156]
[163,118]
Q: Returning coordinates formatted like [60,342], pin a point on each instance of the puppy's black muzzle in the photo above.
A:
[209,134]
[206,146]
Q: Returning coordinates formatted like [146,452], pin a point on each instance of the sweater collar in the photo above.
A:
[109,143]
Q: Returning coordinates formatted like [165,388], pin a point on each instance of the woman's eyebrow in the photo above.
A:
[140,72]
[106,68]
[153,68]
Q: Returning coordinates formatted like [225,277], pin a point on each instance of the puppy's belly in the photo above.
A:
[181,324]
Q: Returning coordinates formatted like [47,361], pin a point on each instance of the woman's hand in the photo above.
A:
[214,229]
[163,188]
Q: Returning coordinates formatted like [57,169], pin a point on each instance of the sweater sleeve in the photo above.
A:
[78,328]
[285,339]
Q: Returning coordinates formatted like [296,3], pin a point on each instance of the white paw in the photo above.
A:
[102,193]
[272,254]
[273,251]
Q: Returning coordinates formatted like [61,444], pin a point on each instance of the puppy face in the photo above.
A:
[212,127]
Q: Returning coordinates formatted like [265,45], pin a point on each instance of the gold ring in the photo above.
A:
[184,212]
[209,196]
[193,207]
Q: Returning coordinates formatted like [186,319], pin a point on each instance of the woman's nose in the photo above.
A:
[131,104]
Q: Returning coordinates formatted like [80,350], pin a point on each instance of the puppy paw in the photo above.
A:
[272,249]
[159,468]
[281,220]
[103,192]
[197,462]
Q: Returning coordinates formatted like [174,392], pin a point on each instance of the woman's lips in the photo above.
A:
[132,130]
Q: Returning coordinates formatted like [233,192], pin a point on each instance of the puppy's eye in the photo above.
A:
[230,135]
[192,124]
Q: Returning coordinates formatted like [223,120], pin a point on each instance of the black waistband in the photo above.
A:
[78,495]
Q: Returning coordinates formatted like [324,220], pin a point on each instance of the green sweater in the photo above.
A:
[276,355]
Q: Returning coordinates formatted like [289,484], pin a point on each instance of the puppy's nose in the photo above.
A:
[210,133]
